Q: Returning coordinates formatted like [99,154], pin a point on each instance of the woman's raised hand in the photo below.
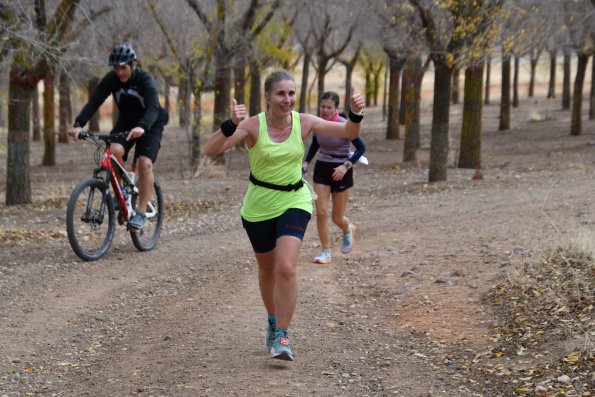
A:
[238,112]
[358,102]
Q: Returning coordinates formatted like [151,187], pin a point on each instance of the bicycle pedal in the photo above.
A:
[131,229]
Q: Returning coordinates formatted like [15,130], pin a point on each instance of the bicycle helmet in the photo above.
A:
[122,54]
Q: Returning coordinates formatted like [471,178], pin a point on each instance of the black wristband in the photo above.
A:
[228,128]
[355,118]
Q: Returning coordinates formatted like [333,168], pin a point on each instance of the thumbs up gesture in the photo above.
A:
[357,101]
[238,112]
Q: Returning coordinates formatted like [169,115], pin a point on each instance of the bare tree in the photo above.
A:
[413,76]
[592,96]
[52,32]
[349,64]
[515,81]
[372,62]
[551,90]
[22,81]
[505,91]
[332,30]
[399,29]
[272,49]
[488,79]
[220,27]
[194,60]
[581,29]
[255,21]
[566,80]
[448,31]
[485,35]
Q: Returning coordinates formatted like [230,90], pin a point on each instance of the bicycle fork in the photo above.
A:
[93,216]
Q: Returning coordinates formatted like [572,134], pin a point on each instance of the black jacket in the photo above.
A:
[137,100]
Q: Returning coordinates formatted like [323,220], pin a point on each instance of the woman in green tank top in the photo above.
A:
[278,205]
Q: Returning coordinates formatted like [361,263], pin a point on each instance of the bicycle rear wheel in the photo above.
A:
[145,239]
[90,219]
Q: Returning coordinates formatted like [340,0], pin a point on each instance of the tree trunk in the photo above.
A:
[255,96]
[566,82]
[392,125]
[239,80]
[166,94]
[2,122]
[195,141]
[322,65]
[576,127]
[592,103]
[376,86]
[384,97]
[404,83]
[440,119]
[369,89]
[222,88]
[348,83]
[18,184]
[487,85]
[455,86]
[505,98]
[515,83]
[64,110]
[94,121]
[184,93]
[532,79]
[551,91]
[304,84]
[49,121]
[35,114]
[412,105]
[470,152]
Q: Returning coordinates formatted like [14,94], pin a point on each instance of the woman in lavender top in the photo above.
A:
[333,178]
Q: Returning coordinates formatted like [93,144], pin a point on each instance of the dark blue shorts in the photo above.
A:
[323,174]
[263,235]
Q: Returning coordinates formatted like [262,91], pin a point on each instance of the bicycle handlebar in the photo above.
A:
[103,137]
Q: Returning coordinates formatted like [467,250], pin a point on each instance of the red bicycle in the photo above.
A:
[91,212]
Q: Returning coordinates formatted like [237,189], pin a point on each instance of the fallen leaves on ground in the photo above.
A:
[543,337]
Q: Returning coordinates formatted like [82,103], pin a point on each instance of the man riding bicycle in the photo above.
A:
[135,93]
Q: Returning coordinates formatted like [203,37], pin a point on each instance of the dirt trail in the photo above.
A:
[186,318]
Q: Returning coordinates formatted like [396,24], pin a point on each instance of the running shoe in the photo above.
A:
[324,257]
[138,221]
[348,240]
[281,349]
[269,337]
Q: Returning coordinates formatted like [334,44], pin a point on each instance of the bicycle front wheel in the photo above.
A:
[145,239]
[90,219]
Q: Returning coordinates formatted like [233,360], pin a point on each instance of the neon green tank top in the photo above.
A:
[279,164]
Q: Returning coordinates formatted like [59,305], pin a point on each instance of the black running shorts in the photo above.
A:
[323,174]
[263,235]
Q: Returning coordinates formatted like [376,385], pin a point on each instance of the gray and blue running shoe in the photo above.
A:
[281,349]
[138,221]
[348,240]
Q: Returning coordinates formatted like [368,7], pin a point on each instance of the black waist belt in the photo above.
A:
[285,188]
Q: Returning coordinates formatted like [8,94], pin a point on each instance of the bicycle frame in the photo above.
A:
[110,164]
